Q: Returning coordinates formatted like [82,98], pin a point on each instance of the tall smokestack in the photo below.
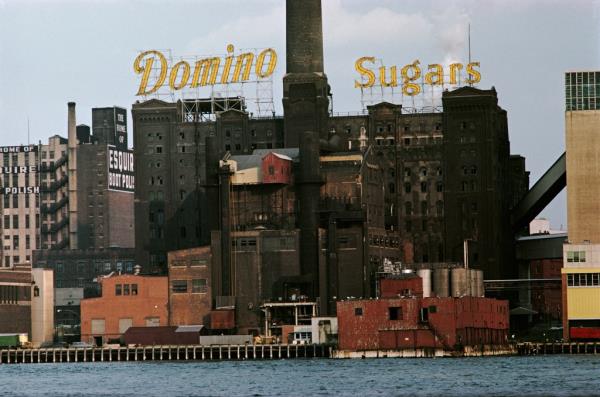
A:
[305,88]
[306,115]
[72,175]
[304,36]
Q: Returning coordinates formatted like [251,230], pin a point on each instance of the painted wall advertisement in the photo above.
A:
[120,169]
[18,177]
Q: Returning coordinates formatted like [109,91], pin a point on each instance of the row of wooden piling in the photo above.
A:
[541,348]
[164,353]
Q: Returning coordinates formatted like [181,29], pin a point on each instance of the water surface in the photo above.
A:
[489,376]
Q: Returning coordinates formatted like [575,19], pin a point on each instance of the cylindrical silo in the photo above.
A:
[480,287]
[473,290]
[441,279]
[459,282]
[425,275]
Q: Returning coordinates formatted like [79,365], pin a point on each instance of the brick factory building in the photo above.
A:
[190,289]
[126,301]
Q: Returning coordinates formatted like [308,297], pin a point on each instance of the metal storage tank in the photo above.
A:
[459,282]
[473,290]
[480,287]
[441,282]
[425,275]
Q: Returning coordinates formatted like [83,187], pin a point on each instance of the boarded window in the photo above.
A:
[97,326]
[152,321]
[124,324]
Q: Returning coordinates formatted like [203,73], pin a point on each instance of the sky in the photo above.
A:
[56,51]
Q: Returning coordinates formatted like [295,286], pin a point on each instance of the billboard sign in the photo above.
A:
[121,175]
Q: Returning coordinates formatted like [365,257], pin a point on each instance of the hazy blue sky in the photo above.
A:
[52,52]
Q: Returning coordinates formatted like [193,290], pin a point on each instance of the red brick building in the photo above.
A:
[190,286]
[126,301]
[407,323]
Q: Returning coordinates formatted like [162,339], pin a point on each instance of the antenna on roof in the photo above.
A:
[469,41]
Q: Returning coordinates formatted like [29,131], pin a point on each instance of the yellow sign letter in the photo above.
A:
[364,72]
[410,88]
[260,61]
[184,77]
[438,74]
[147,69]
[476,76]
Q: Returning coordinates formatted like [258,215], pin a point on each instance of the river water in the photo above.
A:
[489,376]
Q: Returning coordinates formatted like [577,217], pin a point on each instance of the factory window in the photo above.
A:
[228,147]
[125,289]
[407,187]
[423,187]
[575,256]
[406,141]
[182,149]
[407,172]
[439,187]
[199,286]
[158,149]
[473,170]
[134,289]
[118,289]
[395,313]
[358,311]
[6,201]
[15,242]
[465,170]
[179,286]
[15,221]
[439,206]
[227,133]
[198,262]
[6,220]
[423,171]
[28,242]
